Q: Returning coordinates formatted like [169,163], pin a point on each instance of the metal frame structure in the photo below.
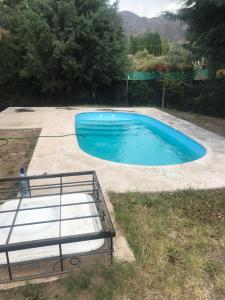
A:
[49,185]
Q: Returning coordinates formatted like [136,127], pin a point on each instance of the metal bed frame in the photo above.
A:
[49,185]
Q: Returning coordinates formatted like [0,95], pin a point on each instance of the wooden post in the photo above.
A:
[164,93]
[127,89]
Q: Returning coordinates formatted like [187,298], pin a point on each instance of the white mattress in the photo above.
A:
[49,230]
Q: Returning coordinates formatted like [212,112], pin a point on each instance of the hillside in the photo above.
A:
[135,25]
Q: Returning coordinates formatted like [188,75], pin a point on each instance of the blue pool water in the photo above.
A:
[134,139]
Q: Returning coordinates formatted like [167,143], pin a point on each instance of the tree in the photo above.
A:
[140,93]
[149,41]
[165,46]
[152,42]
[206,27]
[133,44]
[54,44]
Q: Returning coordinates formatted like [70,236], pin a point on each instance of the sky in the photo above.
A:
[148,8]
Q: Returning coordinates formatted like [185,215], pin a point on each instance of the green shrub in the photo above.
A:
[32,292]
[140,93]
[200,97]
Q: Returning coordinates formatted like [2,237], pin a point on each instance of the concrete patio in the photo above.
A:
[53,155]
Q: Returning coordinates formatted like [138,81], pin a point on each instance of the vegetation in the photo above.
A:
[15,154]
[205,39]
[151,42]
[178,240]
[31,292]
[200,97]
[176,59]
[143,61]
[206,23]
[53,45]
[140,94]
[45,46]
[179,58]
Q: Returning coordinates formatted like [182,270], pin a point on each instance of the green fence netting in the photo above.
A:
[201,73]
[142,75]
[196,74]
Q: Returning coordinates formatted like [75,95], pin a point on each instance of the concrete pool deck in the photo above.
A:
[56,155]
[64,155]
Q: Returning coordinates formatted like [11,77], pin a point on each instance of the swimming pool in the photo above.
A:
[134,139]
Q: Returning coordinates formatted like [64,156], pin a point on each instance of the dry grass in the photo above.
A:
[14,154]
[17,153]
[178,240]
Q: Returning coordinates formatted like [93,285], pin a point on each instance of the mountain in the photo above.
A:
[135,25]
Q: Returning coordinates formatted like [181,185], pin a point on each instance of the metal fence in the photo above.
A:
[38,187]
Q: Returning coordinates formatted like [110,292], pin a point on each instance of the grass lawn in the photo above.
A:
[216,125]
[179,243]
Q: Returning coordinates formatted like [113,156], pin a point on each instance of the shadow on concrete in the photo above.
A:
[20,110]
[116,110]
[66,108]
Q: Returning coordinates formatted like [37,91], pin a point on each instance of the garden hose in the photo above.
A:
[5,142]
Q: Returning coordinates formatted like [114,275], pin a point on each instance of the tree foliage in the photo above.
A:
[206,27]
[53,44]
[178,58]
[140,93]
[149,41]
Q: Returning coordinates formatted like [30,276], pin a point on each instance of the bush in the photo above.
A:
[140,93]
[220,74]
[143,61]
[200,97]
